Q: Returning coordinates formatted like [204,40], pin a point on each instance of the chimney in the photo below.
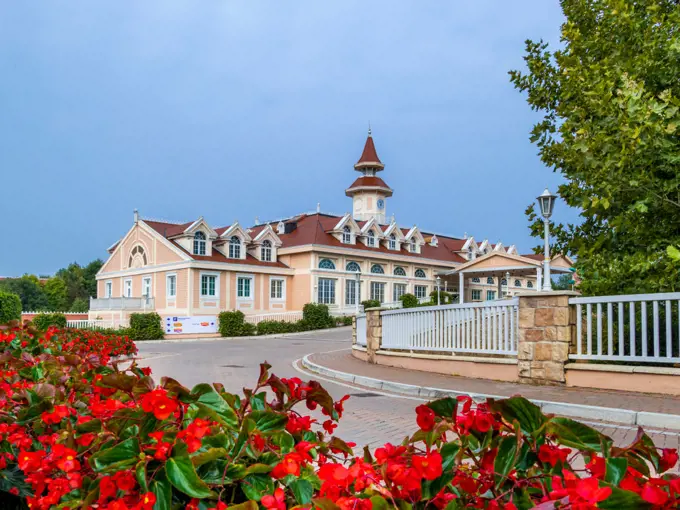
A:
[136,216]
[280,228]
[257,220]
[318,207]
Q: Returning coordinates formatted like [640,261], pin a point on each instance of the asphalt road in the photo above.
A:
[371,417]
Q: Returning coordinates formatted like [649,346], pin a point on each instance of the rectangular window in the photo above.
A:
[476,295]
[351,292]
[146,287]
[171,285]
[244,287]
[347,238]
[208,285]
[108,289]
[127,288]
[326,291]
[276,288]
[399,290]
[378,291]
[490,295]
[420,291]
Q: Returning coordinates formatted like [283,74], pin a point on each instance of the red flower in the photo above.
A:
[442,499]
[589,489]
[597,467]
[329,426]
[669,458]
[483,421]
[125,480]
[551,455]
[60,412]
[354,504]
[65,457]
[147,501]
[275,502]
[653,494]
[158,403]
[429,466]
[30,461]
[299,423]
[425,417]
[258,442]
[289,465]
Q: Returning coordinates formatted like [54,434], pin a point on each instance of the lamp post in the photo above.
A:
[357,278]
[546,202]
[439,282]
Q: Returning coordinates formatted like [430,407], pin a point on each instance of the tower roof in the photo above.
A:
[369,157]
[366,183]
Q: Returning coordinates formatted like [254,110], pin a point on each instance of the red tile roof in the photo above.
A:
[369,157]
[368,182]
[533,256]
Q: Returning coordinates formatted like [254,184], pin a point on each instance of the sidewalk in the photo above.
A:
[614,406]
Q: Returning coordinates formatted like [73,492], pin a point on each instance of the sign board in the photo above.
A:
[190,325]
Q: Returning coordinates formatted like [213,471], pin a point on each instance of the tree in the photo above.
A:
[29,290]
[57,294]
[74,279]
[611,127]
[89,273]
[80,305]
[563,282]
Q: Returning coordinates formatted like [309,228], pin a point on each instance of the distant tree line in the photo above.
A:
[69,290]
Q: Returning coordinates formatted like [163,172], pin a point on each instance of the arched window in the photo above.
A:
[476,280]
[353,266]
[518,283]
[347,235]
[235,247]
[326,264]
[199,243]
[399,271]
[530,285]
[489,280]
[392,243]
[370,238]
[137,257]
[504,281]
[377,269]
[266,251]
[420,273]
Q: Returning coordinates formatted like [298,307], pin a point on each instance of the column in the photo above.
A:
[499,294]
[539,279]
[461,294]
[507,279]
[373,333]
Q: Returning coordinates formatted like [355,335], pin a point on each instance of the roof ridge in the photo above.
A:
[169,222]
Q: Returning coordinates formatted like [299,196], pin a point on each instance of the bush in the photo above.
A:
[234,324]
[89,434]
[10,307]
[444,297]
[80,305]
[345,321]
[409,301]
[42,321]
[277,327]
[370,303]
[317,316]
[146,326]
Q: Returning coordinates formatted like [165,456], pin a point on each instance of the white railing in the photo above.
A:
[97,324]
[635,328]
[393,304]
[361,330]
[280,317]
[480,328]
[122,303]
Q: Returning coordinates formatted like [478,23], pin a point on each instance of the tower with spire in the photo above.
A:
[369,192]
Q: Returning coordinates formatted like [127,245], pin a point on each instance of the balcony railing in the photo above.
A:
[122,303]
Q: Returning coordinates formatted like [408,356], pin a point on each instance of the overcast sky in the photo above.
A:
[237,109]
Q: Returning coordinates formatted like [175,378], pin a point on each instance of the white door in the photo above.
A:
[128,288]
[146,287]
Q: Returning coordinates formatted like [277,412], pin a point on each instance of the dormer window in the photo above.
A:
[392,243]
[370,239]
[235,247]
[347,235]
[199,243]
[266,251]
[414,246]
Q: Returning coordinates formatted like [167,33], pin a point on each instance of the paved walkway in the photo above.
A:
[343,361]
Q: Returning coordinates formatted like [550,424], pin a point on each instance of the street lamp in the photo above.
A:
[439,282]
[357,278]
[546,202]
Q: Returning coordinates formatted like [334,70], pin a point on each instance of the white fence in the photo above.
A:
[122,303]
[361,330]
[97,324]
[479,328]
[281,317]
[635,328]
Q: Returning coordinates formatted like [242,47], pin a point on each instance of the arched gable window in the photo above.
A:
[420,273]
[326,264]
[370,238]
[489,280]
[266,251]
[235,247]
[399,271]
[199,243]
[353,266]
[476,280]
[347,235]
[518,283]
[137,257]
[530,285]
[377,269]
[392,243]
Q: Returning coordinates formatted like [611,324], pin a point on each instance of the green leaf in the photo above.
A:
[444,407]
[302,490]
[161,487]
[673,252]
[430,488]
[182,474]
[623,500]
[448,453]
[506,458]
[527,414]
[120,456]
[208,397]
[208,456]
[324,504]
[379,503]
[140,473]
[248,505]
[257,402]
[256,486]
[575,435]
[258,468]
[269,421]
[616,470]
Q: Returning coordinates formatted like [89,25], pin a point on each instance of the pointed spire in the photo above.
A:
[369,157]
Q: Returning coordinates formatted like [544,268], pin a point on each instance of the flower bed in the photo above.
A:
[77,431]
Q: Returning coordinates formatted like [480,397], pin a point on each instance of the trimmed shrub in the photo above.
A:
[42,321]
[277,327]
[444,297]
[345,321]
[145,326]
[233,324]
[317,316]
[10,307]
[409,301]
[371,303]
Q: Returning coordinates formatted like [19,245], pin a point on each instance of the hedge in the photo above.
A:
[370,303]
[234,324]
[145,326]
[409,301]
[42,321]
[10,307]
[317,316]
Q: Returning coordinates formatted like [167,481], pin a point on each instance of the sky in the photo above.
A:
[233,110]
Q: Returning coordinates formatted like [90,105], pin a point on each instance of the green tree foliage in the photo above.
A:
[42,321]
[79,305]
[10,307]
[89,274]
[29,290]
[57,294]
[74,277]
[611,127]
[562,283]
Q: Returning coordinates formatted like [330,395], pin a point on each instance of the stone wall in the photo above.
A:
[373,332]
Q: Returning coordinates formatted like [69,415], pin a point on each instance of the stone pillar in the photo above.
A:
[373,332]
[546,327]
[354,330]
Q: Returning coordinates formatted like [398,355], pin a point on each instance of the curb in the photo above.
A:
[605,414]
[220,338]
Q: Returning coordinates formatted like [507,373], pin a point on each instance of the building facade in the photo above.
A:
[194,269]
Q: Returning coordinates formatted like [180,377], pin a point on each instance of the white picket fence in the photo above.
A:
[97,324]
[636,328]
[361,330]
[475,328]
[281,317]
